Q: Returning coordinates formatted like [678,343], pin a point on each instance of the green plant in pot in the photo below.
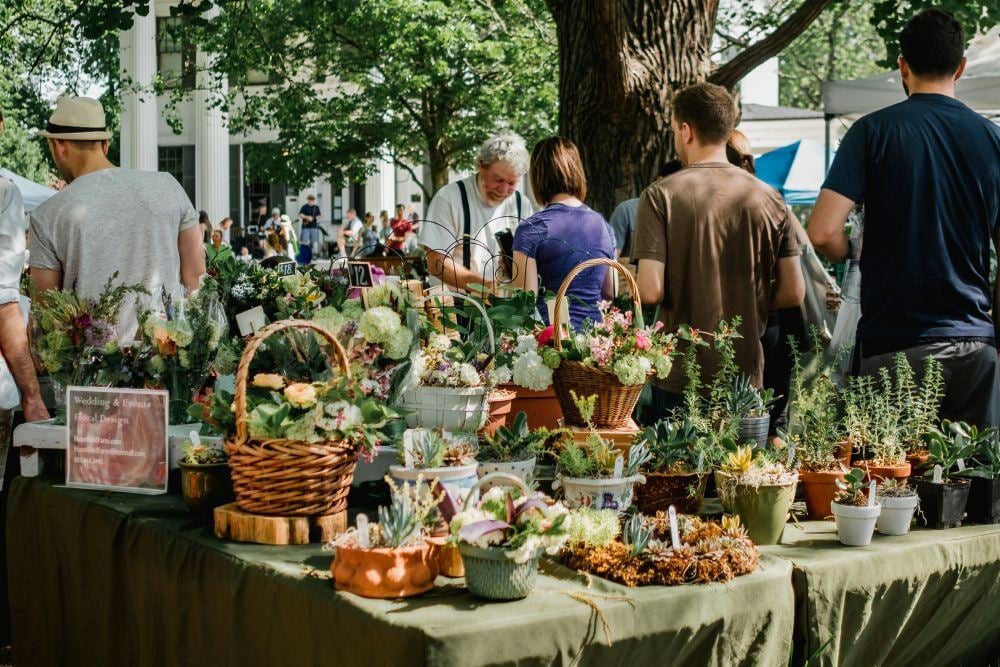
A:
[759,490]
[815,434]
[874,424]
[984,493]
[918,404]
[899,501]
[855,512]
[206,482]
[943,493]
[676,473]
[750,406]
[512,449]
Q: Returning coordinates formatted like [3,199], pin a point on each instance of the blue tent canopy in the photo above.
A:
[795,170]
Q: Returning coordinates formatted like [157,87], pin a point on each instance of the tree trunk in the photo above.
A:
[620,62]
[440,167]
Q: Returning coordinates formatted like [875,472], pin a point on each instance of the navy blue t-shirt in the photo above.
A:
[928,172]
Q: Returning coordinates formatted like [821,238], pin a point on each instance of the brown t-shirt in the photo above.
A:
[720,232]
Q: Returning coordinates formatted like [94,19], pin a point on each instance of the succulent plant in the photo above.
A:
[852,489]
[739,461]
[428,449]
[674,445]
[954,442]
[516,443]
[399,522]
[637,535]
[895,488]
[745,400]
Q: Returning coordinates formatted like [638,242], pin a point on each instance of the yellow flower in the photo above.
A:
[300,394]
[268,381]
[739,461]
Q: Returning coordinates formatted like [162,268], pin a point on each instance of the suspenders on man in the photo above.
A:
[467,223]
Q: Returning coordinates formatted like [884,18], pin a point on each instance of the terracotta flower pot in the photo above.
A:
[844,451]
[385,573]
[541,407]
[881,473]
[917,462]
[662,490]
[501,401]
[819,488]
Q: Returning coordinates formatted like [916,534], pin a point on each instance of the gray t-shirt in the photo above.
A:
[623,222]
[113,220]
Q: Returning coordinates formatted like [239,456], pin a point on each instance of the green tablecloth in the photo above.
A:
[116,579]
[931,597]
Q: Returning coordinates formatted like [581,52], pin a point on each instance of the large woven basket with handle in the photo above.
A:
[615,401]
[288,477]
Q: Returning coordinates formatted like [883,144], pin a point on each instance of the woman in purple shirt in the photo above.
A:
[549,244]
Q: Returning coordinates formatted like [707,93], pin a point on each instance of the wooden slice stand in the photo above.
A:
[621,437]
[232,523]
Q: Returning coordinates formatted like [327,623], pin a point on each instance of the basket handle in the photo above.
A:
[479,306]
[248,354]
[577,270]
[506,478]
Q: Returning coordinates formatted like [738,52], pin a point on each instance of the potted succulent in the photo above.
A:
[874,423]
[899,501]
[595,473]
[503,535]
[984,493]
[760,491]
[206,482]
[676,473]
[943,494]
[513,449]
[751,407]
[854,511]
[501,404]
[430,457]
[391,558]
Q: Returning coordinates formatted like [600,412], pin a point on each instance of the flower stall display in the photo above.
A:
[944,489]
[392,558]
[759,490]
[855,510]
[612,359]
[595,473]
[676,473]
[898,501]
[293,443]
[184,336]
[502,536]
[206,482]
[78,343]
[513,450]
[643,553]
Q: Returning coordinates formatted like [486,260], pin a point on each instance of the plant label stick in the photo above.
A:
[871,494]
[961,464]
[937,474]
[675,537]
[791,454]
[701,461]
[408,448]
[363,531]
[619,466]
[195,439]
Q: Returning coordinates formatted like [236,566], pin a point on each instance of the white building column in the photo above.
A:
[137,51]
[211,143]
[380,188]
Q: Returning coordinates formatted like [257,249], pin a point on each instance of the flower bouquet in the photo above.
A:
[503,535]
[76,340]
[613,358]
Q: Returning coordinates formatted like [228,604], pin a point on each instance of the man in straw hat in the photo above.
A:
[108,219]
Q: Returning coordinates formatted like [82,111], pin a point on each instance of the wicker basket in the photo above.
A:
[615,401]
[288,477]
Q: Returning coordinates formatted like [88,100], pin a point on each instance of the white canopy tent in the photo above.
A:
[979,86]
[32,193]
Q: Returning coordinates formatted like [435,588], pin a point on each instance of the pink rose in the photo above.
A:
[642,341]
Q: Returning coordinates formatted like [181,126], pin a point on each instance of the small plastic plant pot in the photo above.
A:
[855,525]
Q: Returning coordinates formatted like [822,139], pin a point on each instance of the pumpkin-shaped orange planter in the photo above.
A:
[385,573]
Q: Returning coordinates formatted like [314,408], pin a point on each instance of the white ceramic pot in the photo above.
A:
[451,409]
[855,525]
[458,480]
[897,514]
[520,469]
[603,494]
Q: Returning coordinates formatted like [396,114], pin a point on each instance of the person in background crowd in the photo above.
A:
[274,222]
[309,215]
[244,255]
[384,229]
[350,230]
[69,231]
[261,219]
[286,232]
[369,244]
[552,242]
[476,207]
[217,241]
[623,217]
[205,226]
[15,352]
[273,245]
[712,242]
[401,229]
[226,225]
[780,323]
[928,172]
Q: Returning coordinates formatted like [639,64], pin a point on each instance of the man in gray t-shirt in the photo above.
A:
[140,224]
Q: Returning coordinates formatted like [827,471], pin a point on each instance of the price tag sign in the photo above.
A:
[286,268]
[116,439]
[251,321]
[360,274]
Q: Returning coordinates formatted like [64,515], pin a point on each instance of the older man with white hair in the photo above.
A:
[464,218]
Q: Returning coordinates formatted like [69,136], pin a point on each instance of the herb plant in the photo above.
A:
[814,424]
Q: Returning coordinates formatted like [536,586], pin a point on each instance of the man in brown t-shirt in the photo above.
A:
[713,242]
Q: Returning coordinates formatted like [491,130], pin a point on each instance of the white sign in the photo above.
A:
[251,321]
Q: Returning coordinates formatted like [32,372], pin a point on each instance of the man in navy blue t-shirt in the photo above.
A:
[928,173]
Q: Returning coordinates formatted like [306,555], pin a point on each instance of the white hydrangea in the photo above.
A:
[501,375]
[469,376]
[531,372]
[525,344]
[398,345]
[439,342]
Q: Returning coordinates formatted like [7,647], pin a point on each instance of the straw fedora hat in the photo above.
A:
[77,118]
